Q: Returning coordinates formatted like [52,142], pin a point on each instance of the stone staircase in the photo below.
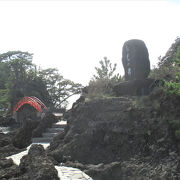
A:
[50,133]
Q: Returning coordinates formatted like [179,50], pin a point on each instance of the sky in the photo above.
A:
[73,36]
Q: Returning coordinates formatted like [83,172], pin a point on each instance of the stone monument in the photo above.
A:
[135,59]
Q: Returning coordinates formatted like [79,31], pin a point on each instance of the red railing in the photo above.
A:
[33,101]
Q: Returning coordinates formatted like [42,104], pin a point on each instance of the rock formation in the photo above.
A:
[34,166]
[169,56]
[135,59]
[23,136]
[37,165]
[45,123]
[119,136]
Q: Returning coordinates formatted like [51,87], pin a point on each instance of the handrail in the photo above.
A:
[33,101]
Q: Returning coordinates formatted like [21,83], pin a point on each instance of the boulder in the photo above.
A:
[23,137]
[37,165]
[8,169]
[6,146]
[10,173]
[45,123]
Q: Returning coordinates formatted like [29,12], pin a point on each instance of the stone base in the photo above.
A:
[135,87]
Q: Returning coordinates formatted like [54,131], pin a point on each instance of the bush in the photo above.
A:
[169,73]
[102,83]
[99,88]
[172,86]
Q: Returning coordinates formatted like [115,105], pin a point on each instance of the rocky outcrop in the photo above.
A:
[122,135]
[6,146]
[170,54]
[32,128]
[8,169]
[23,137]
[135,87]
[36,165]
[45,123]
[114,127]
[136,169]
[7,121]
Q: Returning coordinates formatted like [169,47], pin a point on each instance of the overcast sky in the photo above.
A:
[74,36]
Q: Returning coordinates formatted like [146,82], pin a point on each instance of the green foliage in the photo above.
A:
[177,57]
[169,73]
[106,70]
[164,72]
[101,85]
[59,89]
[100,88]
[172,86]
[19,77]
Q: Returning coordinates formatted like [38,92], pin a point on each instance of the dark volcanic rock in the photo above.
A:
[9,150]
[8,169]
[46,122]
[5,163]
[7,121]
[10,172]
[23,137]
[37,166]
[135,87]
[6,146]
[5,139]
[136,169]
[108,130]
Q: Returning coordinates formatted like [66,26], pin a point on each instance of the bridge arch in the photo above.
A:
[33,101]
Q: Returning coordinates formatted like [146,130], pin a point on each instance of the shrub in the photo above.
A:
[102,83]
[100,88]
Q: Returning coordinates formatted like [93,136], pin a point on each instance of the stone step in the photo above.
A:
[42,140]
[54,130]
[48,134]
[58,125]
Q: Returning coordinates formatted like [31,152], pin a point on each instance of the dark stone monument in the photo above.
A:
[135,59]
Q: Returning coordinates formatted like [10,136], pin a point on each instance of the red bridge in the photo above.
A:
[33,102]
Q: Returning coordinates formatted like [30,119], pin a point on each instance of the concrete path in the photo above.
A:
[69,173]
[64,173]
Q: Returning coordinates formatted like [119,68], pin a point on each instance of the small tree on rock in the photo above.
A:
[101,85]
